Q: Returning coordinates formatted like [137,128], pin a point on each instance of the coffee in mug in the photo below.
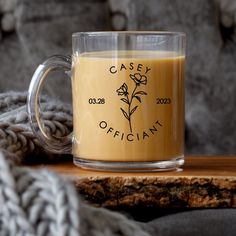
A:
[128,101]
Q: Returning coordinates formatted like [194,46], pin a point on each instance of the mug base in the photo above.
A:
[151,166]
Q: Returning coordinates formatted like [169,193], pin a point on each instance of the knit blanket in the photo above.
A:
[42,203]
[16,137]
[38,203]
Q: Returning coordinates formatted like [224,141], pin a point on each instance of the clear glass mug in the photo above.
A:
[128,101]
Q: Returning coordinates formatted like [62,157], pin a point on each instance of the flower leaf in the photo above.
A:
[138,98]
[133,110]
[124,100]
[141,93]
[125,114]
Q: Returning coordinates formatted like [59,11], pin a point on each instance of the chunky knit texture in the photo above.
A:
[36,203]
[33,203]
[16,137]
[41,203]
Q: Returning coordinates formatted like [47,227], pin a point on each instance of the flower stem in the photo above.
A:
[132,96]
[130,103]
[130,126]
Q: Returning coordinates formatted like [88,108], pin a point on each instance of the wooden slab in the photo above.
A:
[204,181]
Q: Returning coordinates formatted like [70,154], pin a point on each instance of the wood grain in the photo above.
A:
[204,181]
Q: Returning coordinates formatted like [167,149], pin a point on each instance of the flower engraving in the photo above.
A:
[135,95]
[139,79]
[123,90]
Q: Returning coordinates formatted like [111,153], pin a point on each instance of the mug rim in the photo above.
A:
[138,33]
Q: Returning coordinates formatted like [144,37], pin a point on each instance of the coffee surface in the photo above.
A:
[128,105]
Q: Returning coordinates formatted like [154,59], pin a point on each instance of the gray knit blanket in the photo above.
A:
[42,203]
[16,137]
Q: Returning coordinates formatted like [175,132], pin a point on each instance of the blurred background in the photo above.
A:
[32,30]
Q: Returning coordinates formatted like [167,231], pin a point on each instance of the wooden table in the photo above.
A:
[204,181]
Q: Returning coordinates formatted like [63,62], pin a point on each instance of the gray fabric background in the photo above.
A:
[217,222]
[32,30]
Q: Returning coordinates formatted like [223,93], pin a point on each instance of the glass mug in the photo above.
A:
[128,101]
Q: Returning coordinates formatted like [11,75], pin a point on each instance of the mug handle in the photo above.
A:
[50,143]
